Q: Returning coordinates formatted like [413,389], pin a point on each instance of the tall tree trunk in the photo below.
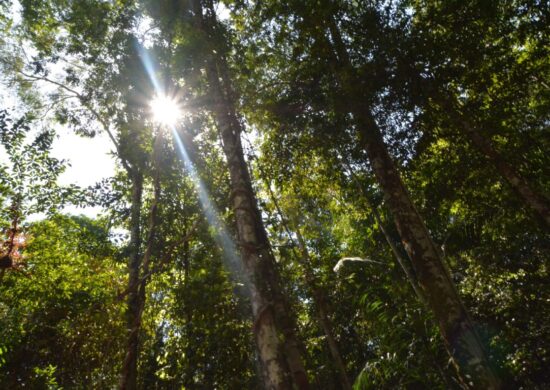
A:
[152,224]
[139,268]
[273,324]
[407,268]
[128,377]
[319,297]
[456,327]
[320,300]
[405,264]
[537,202]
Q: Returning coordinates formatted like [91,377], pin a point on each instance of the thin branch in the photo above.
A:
[44,78]
[164,260]
[92,110]
[405,265]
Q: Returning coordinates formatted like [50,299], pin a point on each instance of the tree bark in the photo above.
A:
[404,263]
[320,300]
[537,202]
[139,268]
[267,299]
[128,377]
[273,325]
[456,327]
[269,309]
[319,296]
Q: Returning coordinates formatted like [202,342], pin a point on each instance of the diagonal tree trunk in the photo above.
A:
[319,296]
[456,327]
[268,304]
[273,324]
[320,300]
[537,202]
[405,264]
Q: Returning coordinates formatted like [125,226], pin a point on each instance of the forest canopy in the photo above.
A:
[305,194]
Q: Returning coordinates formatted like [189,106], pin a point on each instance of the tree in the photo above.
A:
[273,327]
[356,98]
[493,76]
[379,165]
[61,323]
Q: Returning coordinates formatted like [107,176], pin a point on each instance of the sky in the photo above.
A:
[89,159]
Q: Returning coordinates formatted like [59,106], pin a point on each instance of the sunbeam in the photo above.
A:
[166,111]
[222,237]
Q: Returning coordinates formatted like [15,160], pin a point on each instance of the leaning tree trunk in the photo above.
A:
[537,202]
[320,300]
[405,264]
[128,377]
[269,307]
[319,296]
[456,327]
[273,324]
[280,357]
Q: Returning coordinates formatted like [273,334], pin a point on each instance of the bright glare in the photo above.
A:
[165,110]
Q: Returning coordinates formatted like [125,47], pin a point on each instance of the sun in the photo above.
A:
[165,110]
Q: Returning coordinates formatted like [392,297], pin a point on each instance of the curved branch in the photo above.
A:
[84,102]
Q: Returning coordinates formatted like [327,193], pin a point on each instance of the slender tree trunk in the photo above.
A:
[320,300]
[407,268]
[139,269]
[273,325]
[128,378]
[267,299]
[405,264]
[152,224]
[537,202]
[456,327]
[268,304]
[319,296]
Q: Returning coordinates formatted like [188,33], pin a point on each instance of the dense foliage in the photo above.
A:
[337,169]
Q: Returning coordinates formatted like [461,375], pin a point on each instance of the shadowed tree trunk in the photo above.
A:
[319,296]
[404,263]
[273,325]
[139,269]
[320,300]
[537,202]
[128,377]
[456,327]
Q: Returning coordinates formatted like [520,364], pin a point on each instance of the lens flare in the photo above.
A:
[165,110]
[212,216]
